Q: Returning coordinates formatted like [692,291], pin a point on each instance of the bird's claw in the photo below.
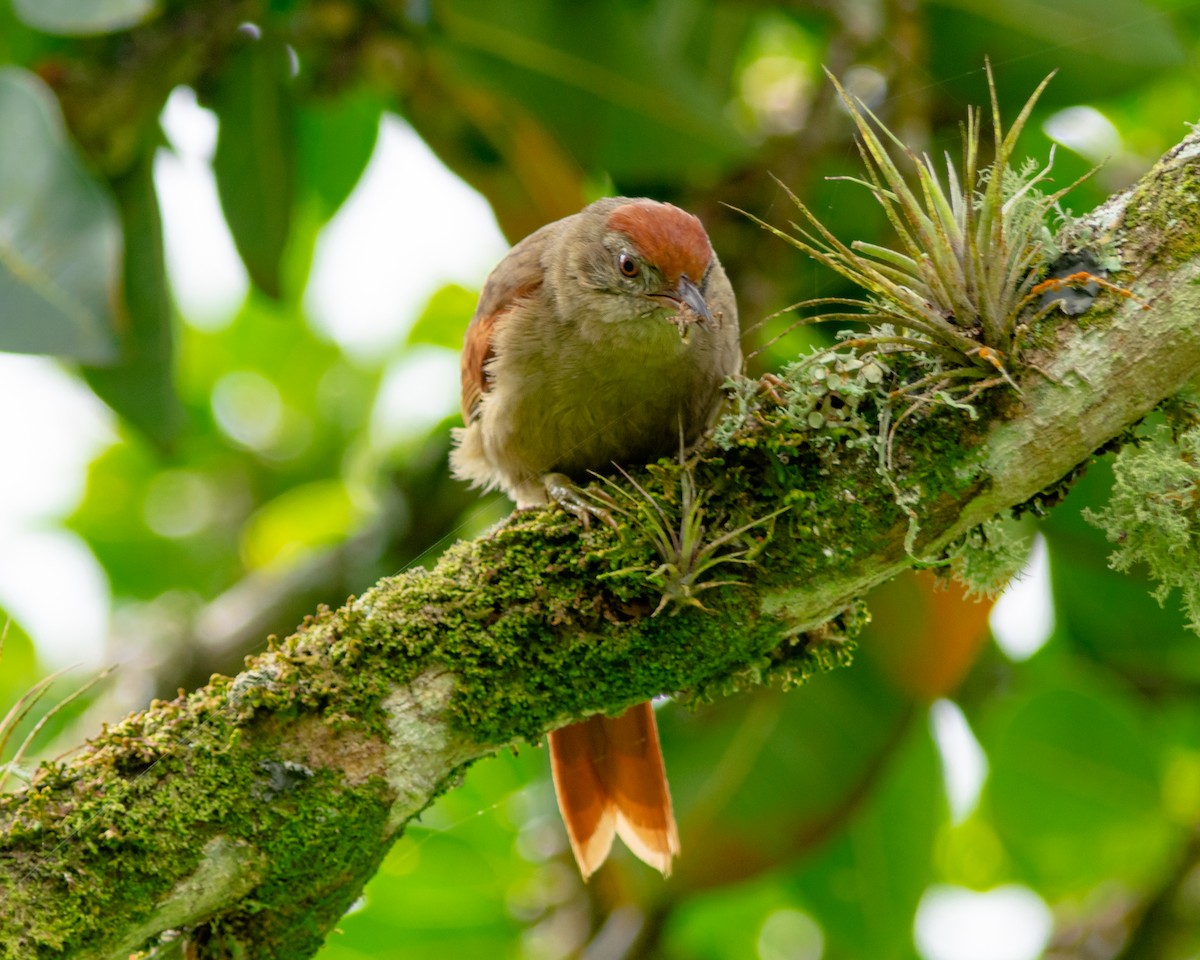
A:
[563,491]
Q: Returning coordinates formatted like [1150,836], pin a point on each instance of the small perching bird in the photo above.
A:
[602,338]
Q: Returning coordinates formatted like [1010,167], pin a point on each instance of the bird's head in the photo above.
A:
[642,259]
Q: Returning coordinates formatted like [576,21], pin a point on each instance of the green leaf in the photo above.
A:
[18,663]
[254,160]
[334,143]
[1074,788]
[1110,616]
[1099,51]
[864,887]
[60,242]
[735,922]
[764,777]
[298,521]
[20,44]
[140,385]
[74,19]
[626,85]
[445,317]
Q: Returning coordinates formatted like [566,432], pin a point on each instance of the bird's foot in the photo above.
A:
[584,504]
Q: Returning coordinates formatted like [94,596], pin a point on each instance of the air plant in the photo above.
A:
[21,709]
[972,247]
[686,555]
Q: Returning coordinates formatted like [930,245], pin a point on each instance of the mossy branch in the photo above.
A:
[249,813]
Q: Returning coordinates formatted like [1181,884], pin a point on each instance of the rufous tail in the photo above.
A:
[610,779]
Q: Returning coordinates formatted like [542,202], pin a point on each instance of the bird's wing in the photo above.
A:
[518,276]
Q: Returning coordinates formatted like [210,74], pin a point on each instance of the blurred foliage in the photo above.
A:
[249,481]
[61,243]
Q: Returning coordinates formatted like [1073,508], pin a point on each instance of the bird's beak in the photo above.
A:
[689,301]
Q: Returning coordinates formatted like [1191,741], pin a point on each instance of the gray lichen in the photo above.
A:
[1153,515]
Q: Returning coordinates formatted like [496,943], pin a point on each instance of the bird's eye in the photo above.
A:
[628,266]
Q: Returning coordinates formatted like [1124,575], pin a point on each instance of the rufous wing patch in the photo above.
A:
[671,239]
[477,350]
[495,303]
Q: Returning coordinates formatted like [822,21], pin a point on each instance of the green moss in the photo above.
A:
[562,628]
[318,838]
[1161,215]
[106,836]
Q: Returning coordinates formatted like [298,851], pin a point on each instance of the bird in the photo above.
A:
[601,339]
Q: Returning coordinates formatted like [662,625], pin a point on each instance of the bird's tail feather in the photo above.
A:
[610,779]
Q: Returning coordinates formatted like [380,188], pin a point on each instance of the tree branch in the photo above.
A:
[252,811]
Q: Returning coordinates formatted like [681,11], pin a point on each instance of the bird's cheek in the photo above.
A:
[628,308]
[601,318]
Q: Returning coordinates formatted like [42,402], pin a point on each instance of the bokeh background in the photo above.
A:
[250,417]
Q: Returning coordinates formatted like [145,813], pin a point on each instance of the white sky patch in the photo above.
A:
[53,587]
[964,764]
[51,428]
[1086,131]
[409,227]
[49,580]
[207,276]
[1023,618]
[417,391]
[1006,923]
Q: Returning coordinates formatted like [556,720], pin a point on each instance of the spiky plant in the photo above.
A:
[972,247]
[21,709]
[685,552]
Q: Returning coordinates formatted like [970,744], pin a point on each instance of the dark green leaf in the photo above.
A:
[60,242]
[1110,616]
[140,386]
[765,777]
[865,886]
[731,922]
[1098,50]
[1074,788]
[334,142]
[255,156]
[626,86]
[72,18]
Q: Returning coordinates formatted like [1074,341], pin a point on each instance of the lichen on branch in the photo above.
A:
[1153,514]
